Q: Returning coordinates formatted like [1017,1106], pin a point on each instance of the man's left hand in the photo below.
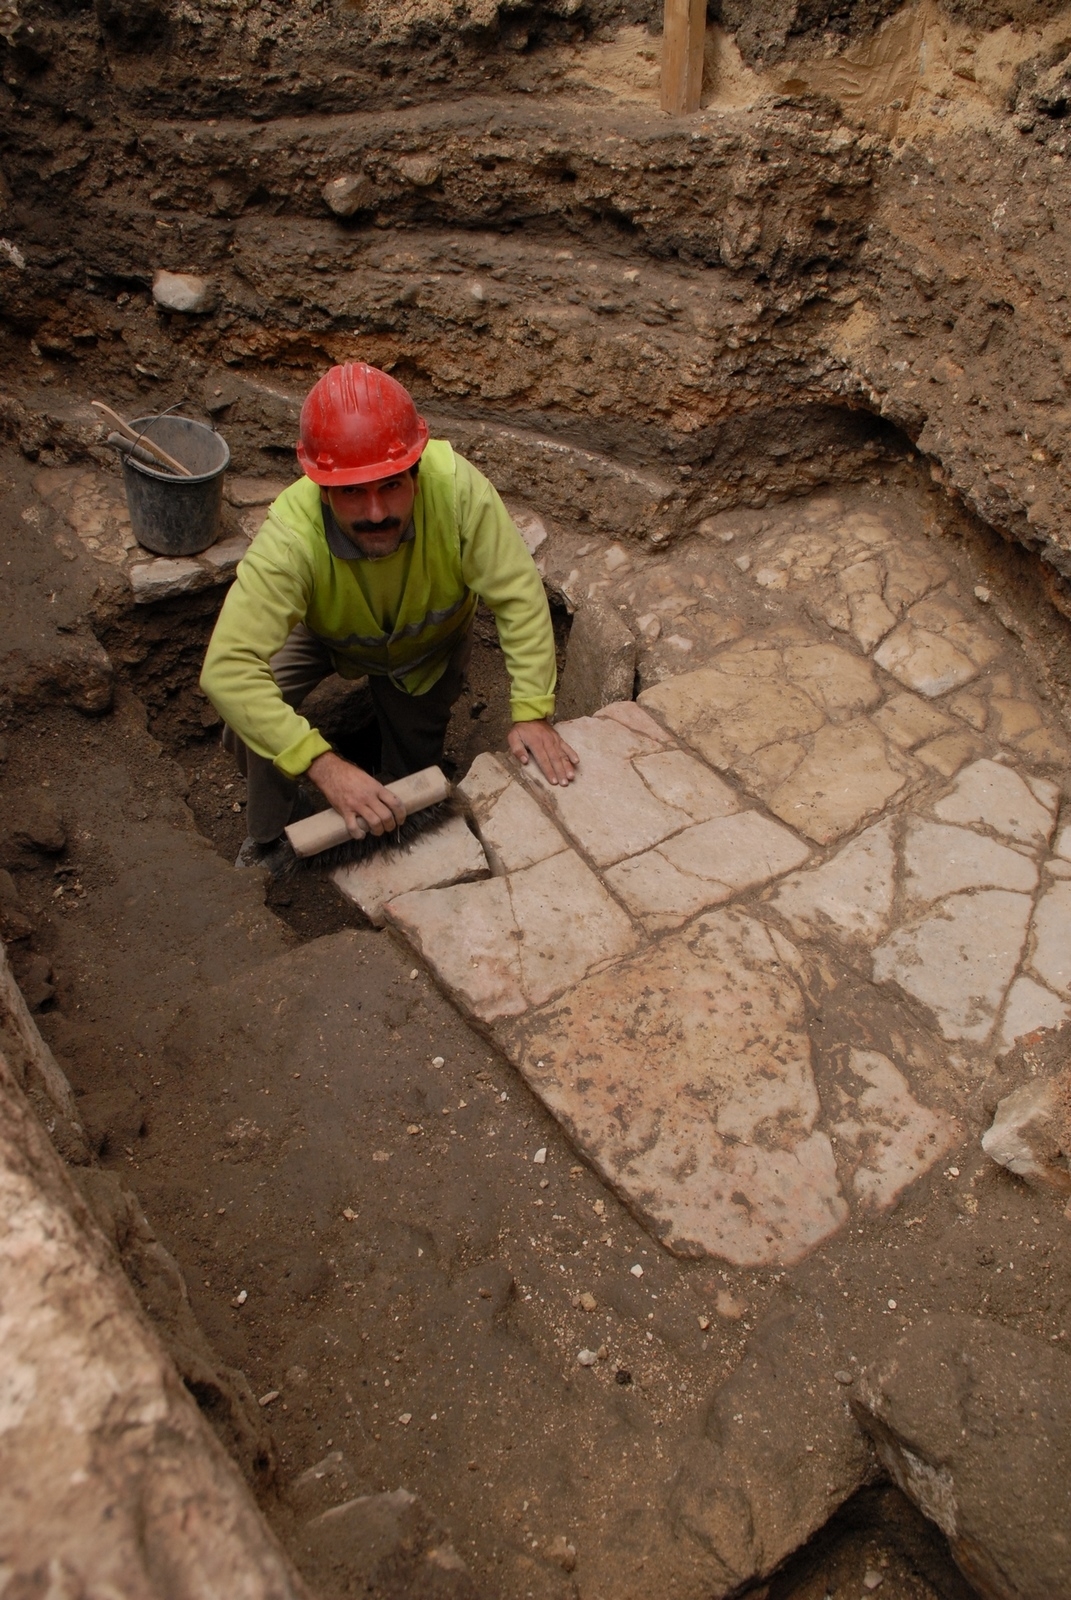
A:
[554,758]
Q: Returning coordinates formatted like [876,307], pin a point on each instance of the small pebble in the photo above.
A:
[843,1377]
[981,593]
[413,1128]
[872,1579]
[953,1172]
[240,1298]
[588,1302]
[562,1552]
[415,973]
[892,1305]
[266,1399]
[636,1270]
[540,1157]
[587,1358]
[704,1323]
[544,1183]
[438,1061]
[350,1216]
[406,1418]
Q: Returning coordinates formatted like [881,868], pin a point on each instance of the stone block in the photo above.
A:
[184,292]
[941,860]
[244,489]
[1031,1132]
[680,780]
[684,1075]
[993,795]
[600,661]
[704,866]
[631,715]
[505,944]
[349,193]
[972,1421]
[608,809]
[448,853]
[849,897]
[164,578]
[848,775]
[960,960]
[936,648]
[225,555]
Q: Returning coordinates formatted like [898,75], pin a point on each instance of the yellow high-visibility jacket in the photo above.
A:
[399,616]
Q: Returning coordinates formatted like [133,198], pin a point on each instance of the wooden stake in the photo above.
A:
[684,26]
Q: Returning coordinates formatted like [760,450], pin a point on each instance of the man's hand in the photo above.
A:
[355,794]
[554,758]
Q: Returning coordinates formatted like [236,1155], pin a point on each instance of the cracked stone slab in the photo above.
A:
[1051,958]
[996,796]
[1030,1006]
[449,853]
[684,1075]
[909,721]
[936,648]
[164,577]
[608,809]
[885,1135]
[504,944]
[960,960]
[850,896]
[704,866]
[513,828]
[850,774]
[940,860]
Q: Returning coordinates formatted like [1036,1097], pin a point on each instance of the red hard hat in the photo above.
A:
[358,424]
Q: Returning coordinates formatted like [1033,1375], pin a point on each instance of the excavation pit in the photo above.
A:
[592,1227]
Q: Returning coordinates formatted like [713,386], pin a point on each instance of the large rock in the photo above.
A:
[1031,1132]
[973,1422]
[777,1453]
[600,661]
[185,292]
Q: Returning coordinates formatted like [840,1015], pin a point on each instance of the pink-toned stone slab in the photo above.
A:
[681,781]
[501,945]
[704,866]
[608,809]
[450,853]
[631,715]
[887,1138]
[468,936]
[514,829]
[684,1074]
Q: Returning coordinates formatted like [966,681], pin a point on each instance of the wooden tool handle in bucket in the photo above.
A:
[326,829]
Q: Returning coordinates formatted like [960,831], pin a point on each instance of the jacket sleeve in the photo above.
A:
[269,597]
[495,563]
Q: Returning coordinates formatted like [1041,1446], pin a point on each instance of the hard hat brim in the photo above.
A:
[338,477]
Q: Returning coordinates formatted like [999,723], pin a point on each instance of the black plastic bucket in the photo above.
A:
[175,516]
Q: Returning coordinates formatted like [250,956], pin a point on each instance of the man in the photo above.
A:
[372,565]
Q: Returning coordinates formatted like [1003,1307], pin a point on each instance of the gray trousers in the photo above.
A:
[412,727]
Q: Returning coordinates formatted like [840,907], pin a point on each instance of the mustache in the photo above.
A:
[386,526]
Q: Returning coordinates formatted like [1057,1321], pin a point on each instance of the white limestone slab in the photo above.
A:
[1051,958]
[850,897]
[960,960]
[1029,1006]
[512,826]
[449,853]
[996,796]
[681,781]
[940,860]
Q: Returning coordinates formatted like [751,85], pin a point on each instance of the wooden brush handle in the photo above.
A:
[326,829]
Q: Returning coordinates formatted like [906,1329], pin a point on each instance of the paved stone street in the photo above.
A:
[759,955]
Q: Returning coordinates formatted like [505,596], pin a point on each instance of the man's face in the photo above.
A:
[374,515]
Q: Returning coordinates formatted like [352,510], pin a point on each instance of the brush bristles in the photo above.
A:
[351,851]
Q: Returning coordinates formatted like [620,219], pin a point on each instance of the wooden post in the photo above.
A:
[684,26]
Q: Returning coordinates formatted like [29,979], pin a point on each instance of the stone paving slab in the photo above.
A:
[685,1073]
[891,1137]
[513,828]
[450,853]
[850,897]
